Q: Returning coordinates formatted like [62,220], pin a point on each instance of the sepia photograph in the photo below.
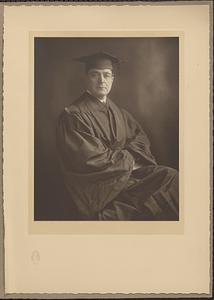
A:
[107,150]
[106,128]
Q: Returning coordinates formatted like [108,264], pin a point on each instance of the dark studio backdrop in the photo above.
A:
[147,85]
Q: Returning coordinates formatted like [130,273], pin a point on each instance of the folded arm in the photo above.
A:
[137,142]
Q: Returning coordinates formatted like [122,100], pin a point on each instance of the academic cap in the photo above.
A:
[100,60]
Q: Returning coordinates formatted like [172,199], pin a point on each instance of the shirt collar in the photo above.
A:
[96,104]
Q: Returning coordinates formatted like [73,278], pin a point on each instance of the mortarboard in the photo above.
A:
[100,60]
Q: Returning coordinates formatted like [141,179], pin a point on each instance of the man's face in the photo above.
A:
[99,82]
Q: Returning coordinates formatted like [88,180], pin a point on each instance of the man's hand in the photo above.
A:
[137,166]
[136,163]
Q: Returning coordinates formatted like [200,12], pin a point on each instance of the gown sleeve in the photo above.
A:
[93,173]
[137,142]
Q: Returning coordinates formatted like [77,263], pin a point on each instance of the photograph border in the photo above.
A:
[79,295]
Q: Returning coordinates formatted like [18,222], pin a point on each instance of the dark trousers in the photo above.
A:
[152,194]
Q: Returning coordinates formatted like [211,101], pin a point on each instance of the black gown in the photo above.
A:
[98,145]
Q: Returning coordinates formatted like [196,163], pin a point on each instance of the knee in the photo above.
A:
[172,171]
[169,171]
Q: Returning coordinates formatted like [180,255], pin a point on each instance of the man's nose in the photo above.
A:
[101,78]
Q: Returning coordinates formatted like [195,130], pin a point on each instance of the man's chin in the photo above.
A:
[101,95]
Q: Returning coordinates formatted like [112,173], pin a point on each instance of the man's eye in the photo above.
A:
[107,75]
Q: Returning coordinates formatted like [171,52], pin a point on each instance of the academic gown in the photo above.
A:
[98,145]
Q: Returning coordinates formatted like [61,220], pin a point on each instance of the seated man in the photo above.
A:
[105,156]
